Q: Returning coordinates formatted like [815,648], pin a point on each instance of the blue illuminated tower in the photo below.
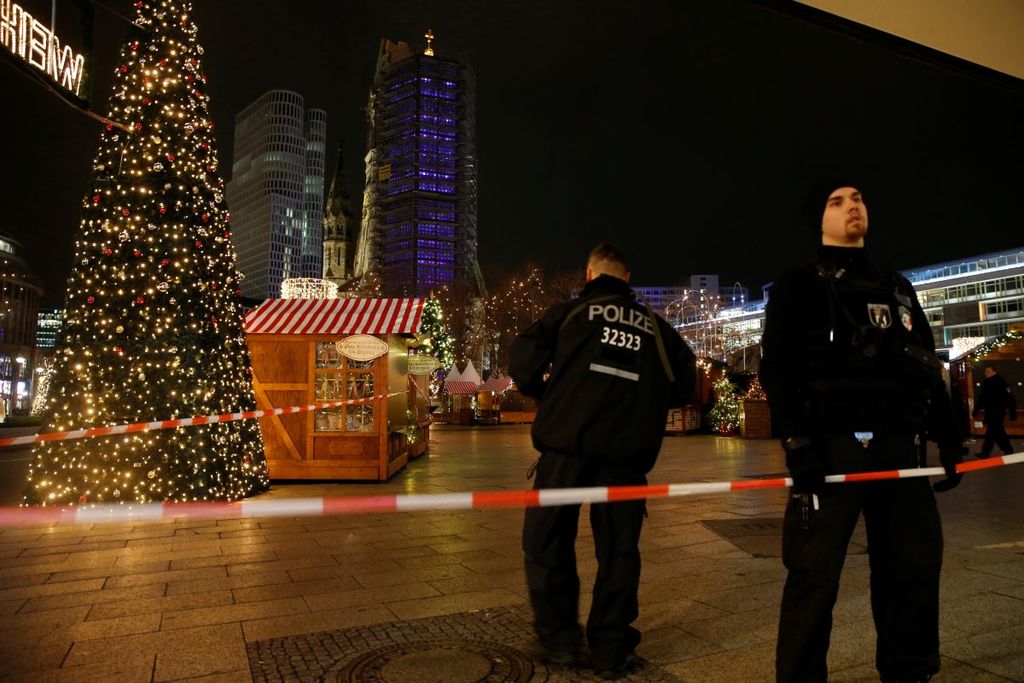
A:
[418,230]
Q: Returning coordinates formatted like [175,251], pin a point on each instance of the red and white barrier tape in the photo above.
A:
[183,422]
[311,507]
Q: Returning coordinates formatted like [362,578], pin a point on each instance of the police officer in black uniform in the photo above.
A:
[853,383]
[605,369]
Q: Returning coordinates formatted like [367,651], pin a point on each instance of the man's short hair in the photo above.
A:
[608,253]
[989,366]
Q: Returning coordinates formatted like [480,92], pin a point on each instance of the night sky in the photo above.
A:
[683,131]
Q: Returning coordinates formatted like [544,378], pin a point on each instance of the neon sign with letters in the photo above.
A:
[34,43]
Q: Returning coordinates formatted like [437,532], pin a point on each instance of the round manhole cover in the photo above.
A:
[438,661]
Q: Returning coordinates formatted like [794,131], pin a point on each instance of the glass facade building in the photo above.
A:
[276,192]
[419,209]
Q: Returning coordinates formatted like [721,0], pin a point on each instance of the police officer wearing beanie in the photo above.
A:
[605,369]
[853,384]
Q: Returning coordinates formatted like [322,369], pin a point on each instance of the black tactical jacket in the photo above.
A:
[608,393]
[846,347]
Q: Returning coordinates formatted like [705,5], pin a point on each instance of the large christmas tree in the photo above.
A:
[152,326]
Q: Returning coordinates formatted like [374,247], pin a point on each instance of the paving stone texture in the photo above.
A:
[440,595]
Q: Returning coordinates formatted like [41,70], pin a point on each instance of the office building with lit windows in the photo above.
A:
[276,192]
[419,224]
[20,293]
[48,324]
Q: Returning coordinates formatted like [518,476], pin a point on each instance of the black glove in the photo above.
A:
[805,465]
[950,455]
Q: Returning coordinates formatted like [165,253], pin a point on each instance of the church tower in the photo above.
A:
[338,227]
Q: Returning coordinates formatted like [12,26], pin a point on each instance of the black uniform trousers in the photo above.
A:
[995,435]
[549,540]
[905,547]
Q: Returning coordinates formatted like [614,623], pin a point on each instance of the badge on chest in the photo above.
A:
[880,315]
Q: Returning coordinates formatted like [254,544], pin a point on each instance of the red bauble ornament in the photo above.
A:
[108,251]
[238,292]
[126,212]
[213,319]
[138,127]
[124,68]
[90,300]
[199,245]
[118,350]
[134,46]
[170,157]
[83,499]
[198,95]
[138,5]
[163,210]
[140,300]
[146,100]
[95,199]
[163,62]
[227,217]
[109,127]
[213,285]
[165,262]
[136,253]
[205,217]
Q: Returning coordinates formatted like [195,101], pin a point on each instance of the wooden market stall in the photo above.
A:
[460,389]
[1006,354]
[316,350]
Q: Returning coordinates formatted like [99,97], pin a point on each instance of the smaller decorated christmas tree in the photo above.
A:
[725,415]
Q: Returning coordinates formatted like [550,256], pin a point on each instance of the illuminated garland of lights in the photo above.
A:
[725,415]
[988,347]
[44,377]
[153,327]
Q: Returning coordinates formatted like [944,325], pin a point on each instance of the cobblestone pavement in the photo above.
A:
[208,600]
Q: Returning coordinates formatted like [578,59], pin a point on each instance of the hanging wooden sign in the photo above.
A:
[362,347]
[423,364]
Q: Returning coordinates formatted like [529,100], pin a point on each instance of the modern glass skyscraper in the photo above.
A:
[276,192]
[419,230]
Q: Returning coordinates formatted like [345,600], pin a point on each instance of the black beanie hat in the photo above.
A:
[818,192]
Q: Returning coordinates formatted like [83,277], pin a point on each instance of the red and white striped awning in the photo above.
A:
[460,387]
[497,384]
[335,316]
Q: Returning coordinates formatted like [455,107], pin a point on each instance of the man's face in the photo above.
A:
[989,372]
[845,220]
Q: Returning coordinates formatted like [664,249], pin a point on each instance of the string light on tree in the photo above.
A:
[153,328]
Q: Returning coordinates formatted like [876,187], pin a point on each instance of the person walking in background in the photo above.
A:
[995,398]
[605,370]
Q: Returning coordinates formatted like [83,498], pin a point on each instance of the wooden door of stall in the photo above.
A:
[346,442]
